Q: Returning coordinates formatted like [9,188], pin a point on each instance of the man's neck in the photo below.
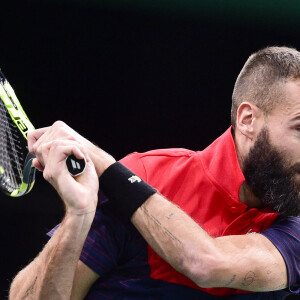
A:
[246,196]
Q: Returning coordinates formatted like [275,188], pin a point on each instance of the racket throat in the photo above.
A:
[28,177]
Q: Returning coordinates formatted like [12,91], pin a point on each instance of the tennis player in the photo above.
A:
[220,222]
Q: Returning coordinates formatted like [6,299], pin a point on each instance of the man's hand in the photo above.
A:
[59,131]
[78,193]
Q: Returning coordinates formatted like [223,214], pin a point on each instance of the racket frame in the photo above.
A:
[21,120]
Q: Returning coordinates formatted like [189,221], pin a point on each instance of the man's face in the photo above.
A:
[271,178]
[272,167]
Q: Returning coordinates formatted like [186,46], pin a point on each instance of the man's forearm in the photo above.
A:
[51,274]
[247,262]
[175,237]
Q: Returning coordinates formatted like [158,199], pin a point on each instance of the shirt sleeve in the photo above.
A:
[285,235]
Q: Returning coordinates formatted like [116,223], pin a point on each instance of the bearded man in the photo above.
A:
[196,210]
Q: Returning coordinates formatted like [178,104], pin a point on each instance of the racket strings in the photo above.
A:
[11,152]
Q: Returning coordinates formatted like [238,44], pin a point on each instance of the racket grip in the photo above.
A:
[75,166]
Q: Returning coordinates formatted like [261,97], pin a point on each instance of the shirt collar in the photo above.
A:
[221,165]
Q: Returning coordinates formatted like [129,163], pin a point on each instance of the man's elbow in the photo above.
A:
[24,285]
[14,291]
[201,269]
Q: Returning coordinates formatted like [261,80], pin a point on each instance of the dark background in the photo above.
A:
[129,76]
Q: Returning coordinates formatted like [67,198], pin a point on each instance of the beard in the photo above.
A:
[271,179]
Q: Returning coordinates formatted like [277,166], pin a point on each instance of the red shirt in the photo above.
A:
[205,184]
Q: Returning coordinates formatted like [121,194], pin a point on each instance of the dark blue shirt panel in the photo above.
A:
[285,235]
[114,246]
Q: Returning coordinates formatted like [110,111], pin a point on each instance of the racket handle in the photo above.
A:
[75,166]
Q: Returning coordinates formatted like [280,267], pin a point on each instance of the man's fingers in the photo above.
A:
[33,136]
[55,163]
[60,149]
[78,152]
[37,165]
[58,131]
[42,151]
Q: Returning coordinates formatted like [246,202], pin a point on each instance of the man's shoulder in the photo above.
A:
[285,235]
[160,160]
[285,225]
[288,221]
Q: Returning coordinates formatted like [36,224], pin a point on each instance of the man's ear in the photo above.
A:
[248,119]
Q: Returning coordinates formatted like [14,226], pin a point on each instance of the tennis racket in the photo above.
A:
[17,173]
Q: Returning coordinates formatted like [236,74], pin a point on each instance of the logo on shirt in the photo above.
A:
[134,178]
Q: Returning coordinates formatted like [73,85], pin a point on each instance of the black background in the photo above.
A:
[128,79]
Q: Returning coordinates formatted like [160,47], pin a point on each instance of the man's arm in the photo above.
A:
[248,262]
[51,274]
[83,281]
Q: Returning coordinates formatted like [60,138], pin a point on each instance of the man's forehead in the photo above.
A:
[293,85]
[290,105]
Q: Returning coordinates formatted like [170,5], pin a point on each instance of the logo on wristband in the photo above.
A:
[134,178]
